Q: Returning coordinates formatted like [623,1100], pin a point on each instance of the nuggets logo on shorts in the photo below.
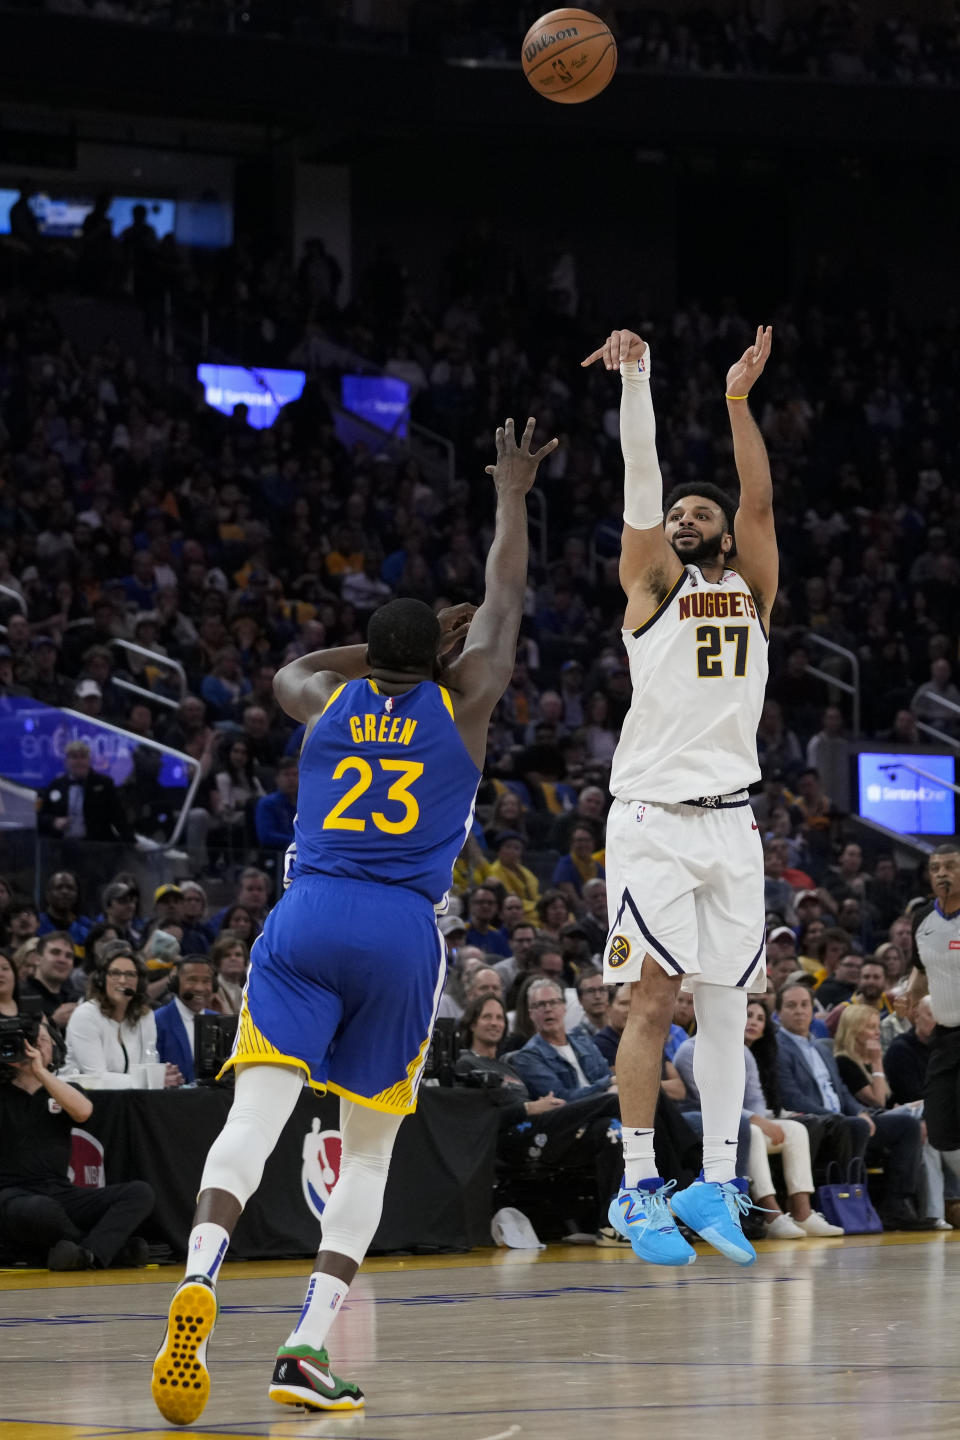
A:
[619,952]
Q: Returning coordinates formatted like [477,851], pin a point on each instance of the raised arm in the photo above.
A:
[73,1101]
[648,564]
[757,559]
[304,686]
[480,675]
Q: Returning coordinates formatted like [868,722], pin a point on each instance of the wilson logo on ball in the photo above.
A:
[531,49]
[569,56]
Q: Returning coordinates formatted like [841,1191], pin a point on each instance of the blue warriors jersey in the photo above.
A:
[387,789]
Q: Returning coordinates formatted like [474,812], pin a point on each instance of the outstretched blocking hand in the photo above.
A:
[454,624]
[516,468]
[619,345]
[742,376]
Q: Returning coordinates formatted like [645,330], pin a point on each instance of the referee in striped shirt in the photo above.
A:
[936,972]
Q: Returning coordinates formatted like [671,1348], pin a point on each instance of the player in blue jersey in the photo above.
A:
[346,978]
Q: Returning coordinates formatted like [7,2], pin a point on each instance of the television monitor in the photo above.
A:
[264,392]
[893,794]
[62,216]
[204,224]
[381,400]
[161,214]
[213,1039]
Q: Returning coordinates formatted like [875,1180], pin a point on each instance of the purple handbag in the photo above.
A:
[848,1203]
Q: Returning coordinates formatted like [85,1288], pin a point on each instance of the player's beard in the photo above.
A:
[708,548]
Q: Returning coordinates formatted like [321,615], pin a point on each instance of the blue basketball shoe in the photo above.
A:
[713,1208]
[643,1217]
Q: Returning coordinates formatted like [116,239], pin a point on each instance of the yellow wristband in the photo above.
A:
[735,397]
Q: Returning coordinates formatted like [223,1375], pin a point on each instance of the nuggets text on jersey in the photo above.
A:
[717,605]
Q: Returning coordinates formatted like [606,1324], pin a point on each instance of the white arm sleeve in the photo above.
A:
[642,481]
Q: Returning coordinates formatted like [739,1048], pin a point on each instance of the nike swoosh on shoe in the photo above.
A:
[317,1374]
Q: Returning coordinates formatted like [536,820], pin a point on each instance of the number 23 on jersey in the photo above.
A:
[399,793]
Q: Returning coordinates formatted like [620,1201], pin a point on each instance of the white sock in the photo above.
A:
[639,1161]
[325,1295]
[206,1249]
[719,1158]
[718,1069]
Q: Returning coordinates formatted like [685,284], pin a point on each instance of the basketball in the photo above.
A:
[569,56]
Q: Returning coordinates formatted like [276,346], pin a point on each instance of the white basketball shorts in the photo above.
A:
[685,885]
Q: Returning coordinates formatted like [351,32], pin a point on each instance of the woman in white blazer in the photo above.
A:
[114,1028]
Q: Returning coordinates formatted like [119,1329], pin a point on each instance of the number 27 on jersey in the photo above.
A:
[712,655]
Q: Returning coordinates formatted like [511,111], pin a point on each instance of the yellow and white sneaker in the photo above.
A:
[181,1381]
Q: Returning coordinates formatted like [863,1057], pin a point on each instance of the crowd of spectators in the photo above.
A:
[835,1067]
[836,1052]
[131,510]
[826,41]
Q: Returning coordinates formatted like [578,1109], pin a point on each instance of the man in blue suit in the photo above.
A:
[192,985]
[553,1062]
[810,1084]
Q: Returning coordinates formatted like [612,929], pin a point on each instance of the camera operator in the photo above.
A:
[114,1028]
[41,1213]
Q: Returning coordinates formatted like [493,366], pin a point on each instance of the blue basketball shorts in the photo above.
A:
[344,983]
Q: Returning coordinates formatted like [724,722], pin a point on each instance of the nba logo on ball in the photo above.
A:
[321,1166]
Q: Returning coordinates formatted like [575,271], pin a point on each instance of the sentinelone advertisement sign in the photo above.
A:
[264,392]
[894,795]
[381,400]
[34,738]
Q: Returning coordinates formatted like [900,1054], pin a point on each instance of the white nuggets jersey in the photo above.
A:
[699,671]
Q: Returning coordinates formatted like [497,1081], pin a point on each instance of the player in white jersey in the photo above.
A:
[684,857]
[936,972]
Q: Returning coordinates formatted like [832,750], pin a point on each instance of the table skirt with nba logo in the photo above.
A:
[438,1190]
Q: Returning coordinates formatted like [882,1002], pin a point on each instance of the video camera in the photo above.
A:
[442,1054]
[213,1037]
[17,1032]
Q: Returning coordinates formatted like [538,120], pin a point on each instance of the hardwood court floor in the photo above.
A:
[854,1339]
